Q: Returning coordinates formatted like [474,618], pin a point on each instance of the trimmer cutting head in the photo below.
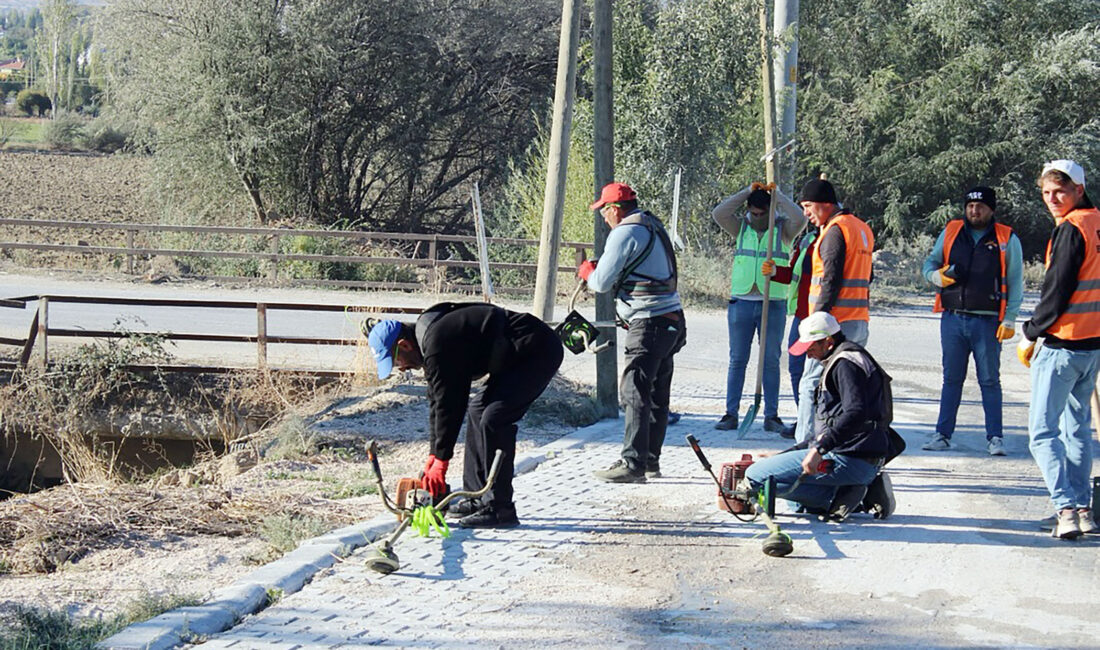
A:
[383,561]
[576,332]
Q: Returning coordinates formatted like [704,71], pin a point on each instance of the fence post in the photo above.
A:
[261,335]
[43,328]
[578,255]
[433,251]
[273,270]
[130,255]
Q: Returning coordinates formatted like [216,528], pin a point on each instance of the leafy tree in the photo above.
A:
[28,101]
[58,17]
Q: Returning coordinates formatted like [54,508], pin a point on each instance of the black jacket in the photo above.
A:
[849,405]
[461,342]
[1067,253]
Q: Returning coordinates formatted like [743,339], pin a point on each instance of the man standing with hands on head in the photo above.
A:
[978,271]
[1063,371]
[751,267]
[639,267]
[840,284]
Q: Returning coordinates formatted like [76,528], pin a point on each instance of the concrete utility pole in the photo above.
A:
[785,28]
[557,161]
[607,390]
[768,97]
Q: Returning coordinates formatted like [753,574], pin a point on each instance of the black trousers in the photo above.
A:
[645,385]
[494,411]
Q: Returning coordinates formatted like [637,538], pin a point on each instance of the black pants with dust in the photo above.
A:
[494,411]
[646,383]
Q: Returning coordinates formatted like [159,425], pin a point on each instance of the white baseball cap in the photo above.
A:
[1075,172]
[815,327]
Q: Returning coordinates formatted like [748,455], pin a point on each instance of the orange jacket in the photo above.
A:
[853,300]
[1081,319]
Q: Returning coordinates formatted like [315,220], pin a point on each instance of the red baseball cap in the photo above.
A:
[613,193]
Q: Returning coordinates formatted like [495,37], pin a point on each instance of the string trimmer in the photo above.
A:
[576,332]
[415,507]
[745,503]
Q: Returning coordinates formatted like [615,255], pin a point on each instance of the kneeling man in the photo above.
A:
[851,421]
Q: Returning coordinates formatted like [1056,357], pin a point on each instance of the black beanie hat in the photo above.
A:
[983,194]
[761,199]
[819,190]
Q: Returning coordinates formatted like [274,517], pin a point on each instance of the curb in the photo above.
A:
[290,573]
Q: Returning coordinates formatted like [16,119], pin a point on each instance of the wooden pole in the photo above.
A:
[557,162]
[261,335]
[607,387]
[43,329]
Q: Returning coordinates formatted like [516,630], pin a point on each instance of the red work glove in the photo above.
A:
[435,477]
[585,269]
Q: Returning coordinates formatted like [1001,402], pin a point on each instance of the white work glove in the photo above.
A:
[1025,350]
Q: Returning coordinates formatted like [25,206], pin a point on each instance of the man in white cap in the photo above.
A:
[852,413]
[1063,371]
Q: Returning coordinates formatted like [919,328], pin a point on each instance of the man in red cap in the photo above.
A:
[639,268]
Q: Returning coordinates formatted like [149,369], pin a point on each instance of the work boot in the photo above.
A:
[879,500]
[653,469]
[1066,527]
[464,507]
[727,423]
[490,517]
[788,431]
[938,442]
[619,472]
[996,446]
[1086,522]
[772,424]
[845,501]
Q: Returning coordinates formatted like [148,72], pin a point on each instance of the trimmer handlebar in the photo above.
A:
[372,456]
[694,442]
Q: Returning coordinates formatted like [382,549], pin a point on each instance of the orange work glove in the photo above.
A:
[767,267]
[1005,331]
[1025,349]
[435,477]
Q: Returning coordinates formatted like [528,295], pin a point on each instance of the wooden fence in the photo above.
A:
[40,332]
[428,251]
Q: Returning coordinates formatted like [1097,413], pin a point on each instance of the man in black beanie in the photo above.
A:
[839,261]
[977,269]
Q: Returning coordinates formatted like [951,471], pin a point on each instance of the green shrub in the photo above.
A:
[292,441]
[283,533]
[64,131]
[29,628]
[28,101]
[103,137]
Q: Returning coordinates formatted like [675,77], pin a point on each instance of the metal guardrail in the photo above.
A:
[132,250]
[40,332]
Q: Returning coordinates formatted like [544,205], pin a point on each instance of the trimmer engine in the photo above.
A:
[730,499]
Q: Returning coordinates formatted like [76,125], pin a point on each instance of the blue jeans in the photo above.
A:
[960,336]
[743,318]
[1062,382]
[815,491]
[856,332]
[795,363]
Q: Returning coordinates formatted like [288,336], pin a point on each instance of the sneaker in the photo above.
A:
[673,417]
[996,447]
[788,431]
[845,501]
[619,472]
[653,470]
[879,500]
[727,423]
[772,424]
[938,442]
[464,507]
[1086,522]
[490,517]
[1066,527]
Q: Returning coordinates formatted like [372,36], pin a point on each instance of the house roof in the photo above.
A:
[13,64]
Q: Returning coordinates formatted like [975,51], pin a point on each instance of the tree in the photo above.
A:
[28,101]
[57,22]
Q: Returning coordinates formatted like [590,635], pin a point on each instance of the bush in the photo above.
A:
[104,138]
[27,101]
[64,131]
[29,627]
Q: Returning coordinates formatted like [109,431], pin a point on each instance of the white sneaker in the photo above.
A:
[996,447]
[1066,527]
[938,442]
[1086,522]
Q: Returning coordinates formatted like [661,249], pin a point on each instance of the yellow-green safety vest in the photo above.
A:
[752,250]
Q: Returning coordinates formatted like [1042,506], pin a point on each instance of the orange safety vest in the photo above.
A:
[951,232]
[1081,319]
[854,300]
